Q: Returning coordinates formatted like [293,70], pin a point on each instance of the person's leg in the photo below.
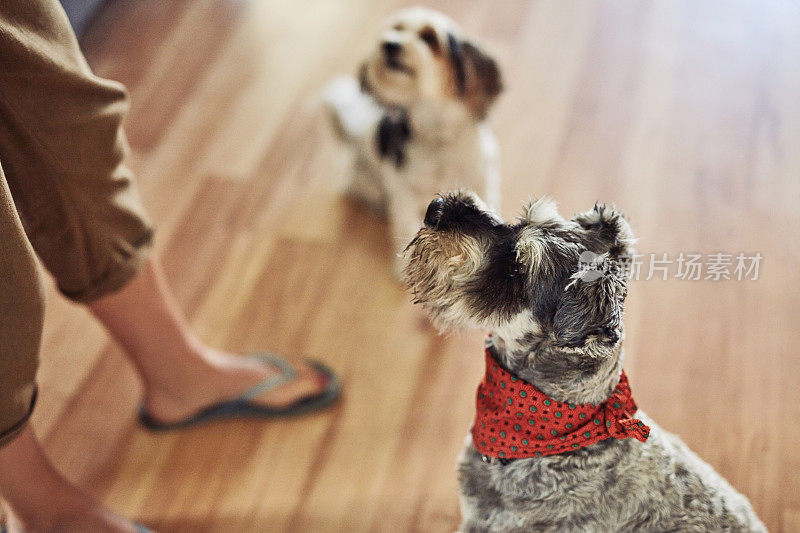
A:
[25,483]
[35,496]
[64,149]
[21,315]
[62,141]
[61,149]
[181,374]
[38,498]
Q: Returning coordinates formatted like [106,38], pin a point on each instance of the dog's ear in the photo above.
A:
[589,314]
[604,227]
[478,79]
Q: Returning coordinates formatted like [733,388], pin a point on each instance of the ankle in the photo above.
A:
[63,506]
[36,497]
[184,384]
[81,515]
[178,372]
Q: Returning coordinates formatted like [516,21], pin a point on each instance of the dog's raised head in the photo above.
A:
[422,57]
[552,290]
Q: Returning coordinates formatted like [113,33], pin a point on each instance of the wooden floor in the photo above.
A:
[684,113]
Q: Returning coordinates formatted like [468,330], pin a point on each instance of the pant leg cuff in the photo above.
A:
[117,276]
[11,433]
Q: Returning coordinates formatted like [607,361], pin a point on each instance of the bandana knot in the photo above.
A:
[618,410]
[516,420]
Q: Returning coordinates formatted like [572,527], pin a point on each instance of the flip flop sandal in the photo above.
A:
[243,405]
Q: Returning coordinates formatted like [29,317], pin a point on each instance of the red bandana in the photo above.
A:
[515,420]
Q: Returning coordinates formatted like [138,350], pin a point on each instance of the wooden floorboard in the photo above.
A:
[685,114]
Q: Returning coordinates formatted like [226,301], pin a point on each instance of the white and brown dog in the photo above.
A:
[416,119]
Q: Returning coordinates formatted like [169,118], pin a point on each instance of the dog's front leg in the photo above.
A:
[365,185]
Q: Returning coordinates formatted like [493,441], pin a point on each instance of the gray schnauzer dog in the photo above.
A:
[557,331]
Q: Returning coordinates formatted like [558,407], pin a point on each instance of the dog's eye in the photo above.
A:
[512,269]
[429,36]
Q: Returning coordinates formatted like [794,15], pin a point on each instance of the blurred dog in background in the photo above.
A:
[415,119]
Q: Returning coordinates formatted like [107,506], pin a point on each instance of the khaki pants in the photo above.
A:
[65,192]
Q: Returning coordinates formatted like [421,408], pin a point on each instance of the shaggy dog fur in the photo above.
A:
[415,119]
[560,329]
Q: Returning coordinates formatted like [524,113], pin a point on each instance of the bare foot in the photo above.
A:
[222,376]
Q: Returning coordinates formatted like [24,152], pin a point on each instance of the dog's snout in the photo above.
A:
[434,212]
[391,49]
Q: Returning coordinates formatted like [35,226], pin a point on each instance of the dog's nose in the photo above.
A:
[391,48]
[434,212]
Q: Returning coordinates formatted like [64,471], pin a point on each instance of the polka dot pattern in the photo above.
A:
[552,427]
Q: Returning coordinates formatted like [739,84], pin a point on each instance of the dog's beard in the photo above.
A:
[438,269]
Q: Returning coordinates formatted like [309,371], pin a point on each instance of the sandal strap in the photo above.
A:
[287,374]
